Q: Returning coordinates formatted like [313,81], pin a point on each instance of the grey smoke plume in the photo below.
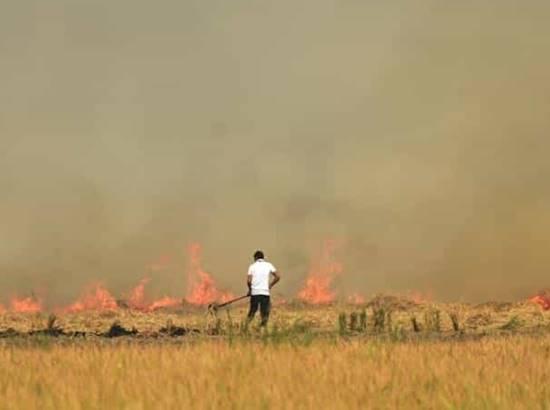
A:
[414,132]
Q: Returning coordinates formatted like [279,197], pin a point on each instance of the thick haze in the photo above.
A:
[416,133]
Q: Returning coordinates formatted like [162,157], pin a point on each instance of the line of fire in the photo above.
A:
[317,289]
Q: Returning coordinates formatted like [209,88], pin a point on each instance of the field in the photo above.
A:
[388,353]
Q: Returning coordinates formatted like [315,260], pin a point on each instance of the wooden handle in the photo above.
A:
[233,300]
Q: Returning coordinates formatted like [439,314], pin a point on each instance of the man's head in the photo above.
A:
[258,255]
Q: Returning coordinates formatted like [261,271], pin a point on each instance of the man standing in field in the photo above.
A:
[262,276]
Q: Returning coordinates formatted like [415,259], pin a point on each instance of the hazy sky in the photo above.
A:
[415,133]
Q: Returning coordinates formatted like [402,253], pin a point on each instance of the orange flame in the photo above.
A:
[164,302]
[322,271]
[95,298]
[542,299]
[136,298]
[25,305]
[203,289]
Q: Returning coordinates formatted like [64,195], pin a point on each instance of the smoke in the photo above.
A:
[411,133]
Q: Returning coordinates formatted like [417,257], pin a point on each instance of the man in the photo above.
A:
[262,276]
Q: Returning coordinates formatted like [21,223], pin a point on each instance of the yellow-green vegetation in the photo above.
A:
[388,353]
[503,373]
[380,315]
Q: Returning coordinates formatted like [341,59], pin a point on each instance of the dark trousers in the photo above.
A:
[264,303]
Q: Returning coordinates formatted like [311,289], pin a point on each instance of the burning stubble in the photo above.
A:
[414,132]
[317,288]
[203,289]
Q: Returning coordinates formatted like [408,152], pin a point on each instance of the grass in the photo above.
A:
[381,355]
[380,317]
[503,373]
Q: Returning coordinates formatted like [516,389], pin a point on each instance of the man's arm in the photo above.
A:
[276,278]
[249,283]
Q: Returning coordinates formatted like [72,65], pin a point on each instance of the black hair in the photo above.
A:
[258,255]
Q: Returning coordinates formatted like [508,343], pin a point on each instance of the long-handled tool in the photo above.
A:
[213,307]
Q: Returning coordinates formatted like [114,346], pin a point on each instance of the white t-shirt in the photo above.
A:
[260,271]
